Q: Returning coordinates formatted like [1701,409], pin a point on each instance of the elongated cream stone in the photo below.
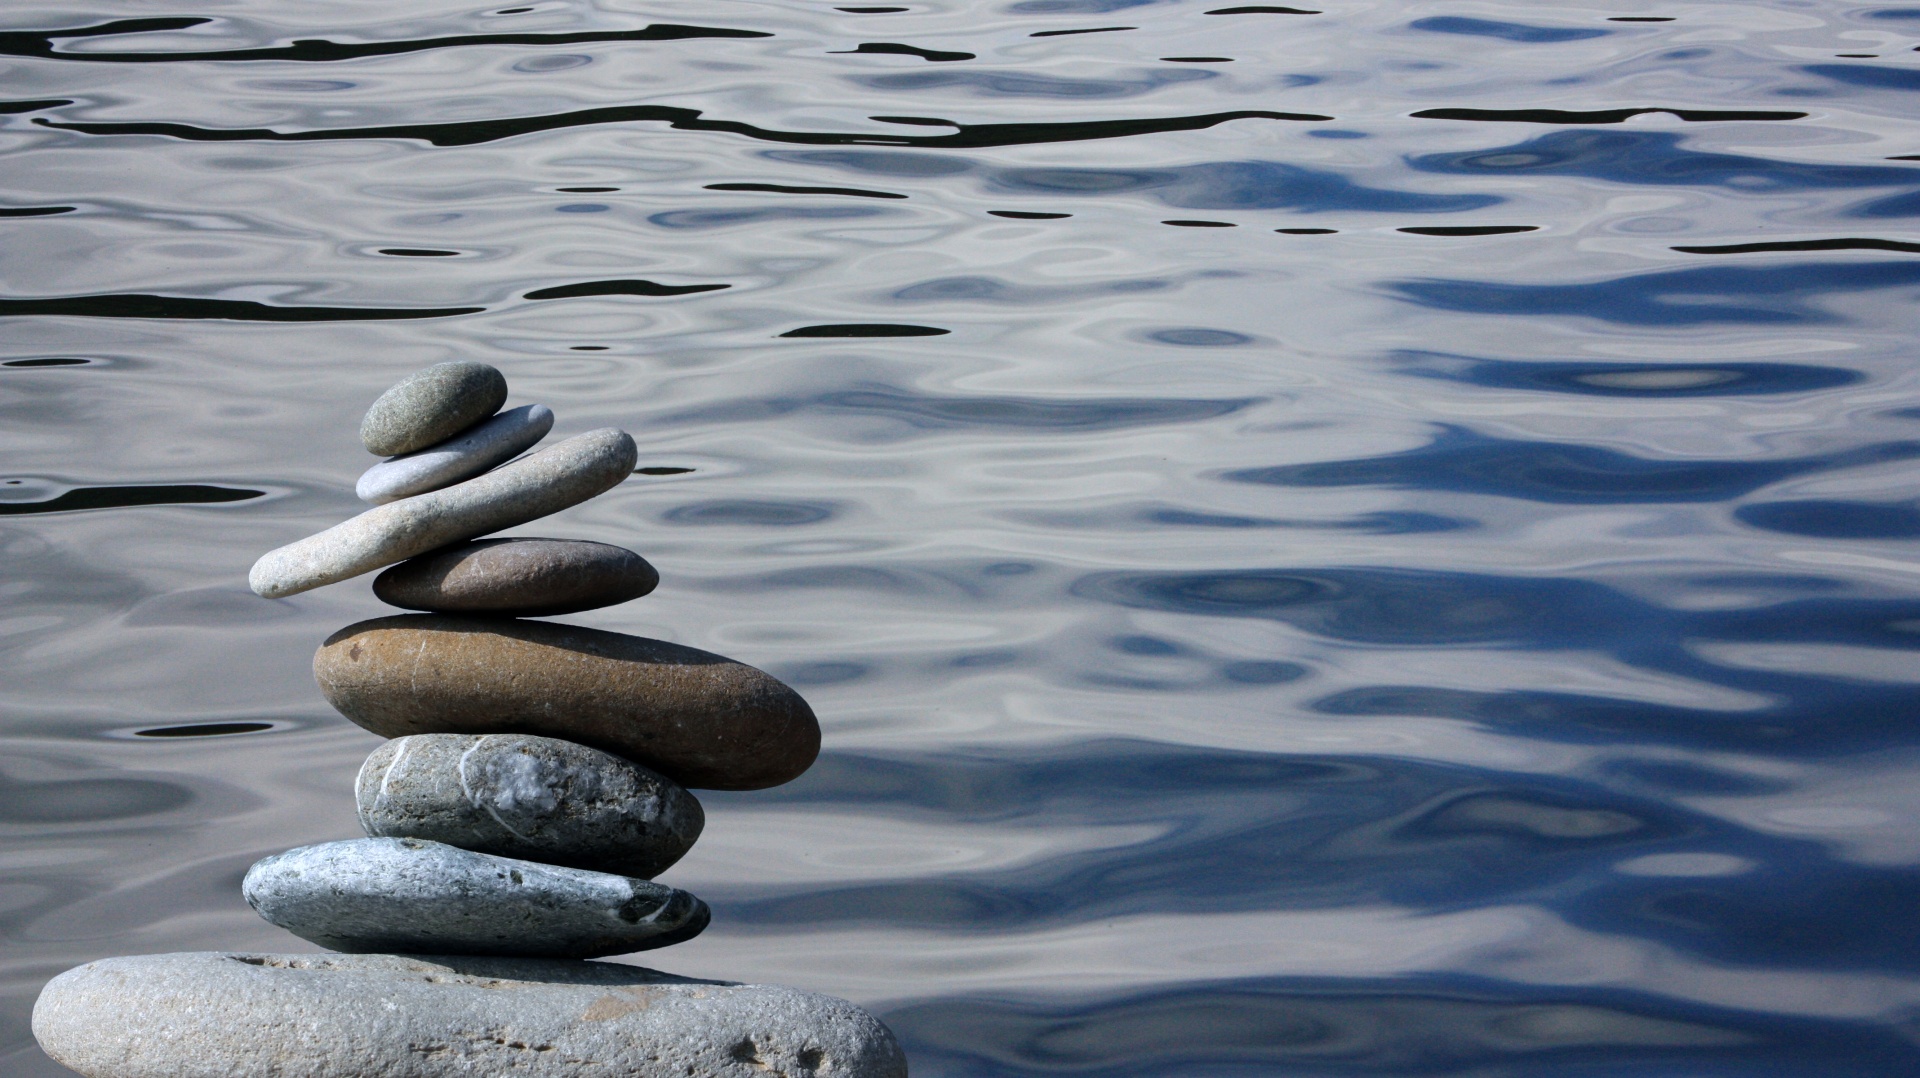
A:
[544,483]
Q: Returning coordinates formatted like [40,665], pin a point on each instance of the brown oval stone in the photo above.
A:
[518,578]
[698,718]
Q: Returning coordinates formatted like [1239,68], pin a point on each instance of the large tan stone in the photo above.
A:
[698,718]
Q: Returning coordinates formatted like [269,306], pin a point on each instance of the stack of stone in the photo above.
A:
[536,781]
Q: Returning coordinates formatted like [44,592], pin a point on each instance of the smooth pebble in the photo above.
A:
[535,798]
[419,897]
[228,1015]
[700,719]
[518,578]
[494,441]
[431,406]
[546,482]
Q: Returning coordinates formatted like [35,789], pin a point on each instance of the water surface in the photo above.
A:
[1338,539]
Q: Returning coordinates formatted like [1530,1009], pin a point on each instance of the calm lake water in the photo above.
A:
[1373,540]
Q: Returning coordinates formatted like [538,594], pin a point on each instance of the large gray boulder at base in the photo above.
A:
[419,897]
[535,486]
[535,798]
[431,406]
[698,718]
[220,1015]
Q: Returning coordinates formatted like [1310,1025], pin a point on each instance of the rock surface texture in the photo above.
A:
[431,406]
[536,798]
[518,578]
[413,896]
[546,482]
[699,719]
[494,441]
[218,1015]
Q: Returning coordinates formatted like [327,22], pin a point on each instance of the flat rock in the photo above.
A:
[537,798]
[535,486]
[419,897]
[489,443]
[223,1015]
[518,578]
[431,406]
[698,718]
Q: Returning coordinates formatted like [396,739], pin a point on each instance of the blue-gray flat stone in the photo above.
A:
[418,897]
[537,798]
[431,406]
[530,488]
[517,578]
[491,442]
[218,1015]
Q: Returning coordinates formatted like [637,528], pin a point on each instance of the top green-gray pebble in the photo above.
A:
[431,406]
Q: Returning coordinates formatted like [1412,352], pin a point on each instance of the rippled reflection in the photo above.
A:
[1336,541]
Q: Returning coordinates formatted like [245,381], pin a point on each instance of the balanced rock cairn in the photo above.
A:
[535,782]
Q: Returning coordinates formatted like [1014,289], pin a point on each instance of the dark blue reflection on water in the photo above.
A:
[1213,185]
[1878,78]
[1756,295]
[1241,832]
[1234,185]
[1507,31]
[1834,519]
[1445,1026]
[1804,713]
[1628,379]
[1461,459]
[1657,157]
[879,412]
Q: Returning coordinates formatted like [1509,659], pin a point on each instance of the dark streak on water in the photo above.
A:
[1847,244]
[82,498]
[205,729]
[471,133]
[42,44]
[1599,116]
[789,189]
[890,48]
[866,329]
[10,107]
[621,288]
[1466,230]
[146,306]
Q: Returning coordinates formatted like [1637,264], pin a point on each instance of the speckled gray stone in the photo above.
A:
[517,578]
[431,406]
[537,798]
[545,482]
[419,897]
[217,1015]
[493,441]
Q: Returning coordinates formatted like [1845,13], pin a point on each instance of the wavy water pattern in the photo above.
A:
[1368,541]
